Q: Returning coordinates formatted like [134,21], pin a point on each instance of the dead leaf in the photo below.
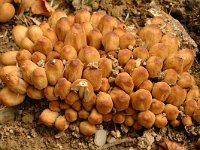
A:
[41,7]
[169,145]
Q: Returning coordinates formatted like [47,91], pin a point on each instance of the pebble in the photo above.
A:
[7,115]
[100,137]
[60,134]
[111,139]
[116,134]
[28,118]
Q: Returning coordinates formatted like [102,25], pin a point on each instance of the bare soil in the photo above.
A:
[20,130]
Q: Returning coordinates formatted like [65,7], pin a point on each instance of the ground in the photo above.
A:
[19,126]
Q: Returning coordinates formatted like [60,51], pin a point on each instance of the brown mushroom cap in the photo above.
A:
[48,117]
[61,123]
[120,99]
[71,115]
[141,100]
[161,91]
[160,121]
[123,56]
[9,98]
[86,128]
[125,82]
[157,106]
[139,75]
[190,106]
[196,114]
[118,118]
[141,53]
[146,118]
[187,121]
[177,96]
[171,111]
[88,55]
[95,117]
[104,103]
[150,34]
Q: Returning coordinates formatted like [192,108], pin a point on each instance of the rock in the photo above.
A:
[7,115]
[28,118]
[76,4]
[111,139]
[100,137]
[60,134]
[116,134]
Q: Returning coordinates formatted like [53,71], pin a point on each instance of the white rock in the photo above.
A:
[100,137]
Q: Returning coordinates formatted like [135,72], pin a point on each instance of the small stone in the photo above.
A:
[100,137]
[7,115]
[59,135]
[28,137]
[11,131]
[116,134]
[28,118]
[33,133]
[111,139]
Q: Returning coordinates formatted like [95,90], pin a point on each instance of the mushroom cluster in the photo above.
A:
[92,68]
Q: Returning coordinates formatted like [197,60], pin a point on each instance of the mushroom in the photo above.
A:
[141,100]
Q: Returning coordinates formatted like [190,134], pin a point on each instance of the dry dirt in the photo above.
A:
[19,126]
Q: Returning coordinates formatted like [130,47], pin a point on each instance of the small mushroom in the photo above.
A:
[118,118]
[141,100]
[95,117]
[120,99]
[124,56]
[150,34]
[87,129]
[62,88]
[146,119]
[48,117]
[161,91]
[177,96]
[71,115]
[157,106]
[126,40]
[34,93]
[9,98]
[160,121]
[140,53]
[110,41]
[171,41]
[104,103]
[88,55]
[154,66]
[82,16]
[125,82]
[171,112]
[54,70]
[61,123]
[139,75]
[106,24]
